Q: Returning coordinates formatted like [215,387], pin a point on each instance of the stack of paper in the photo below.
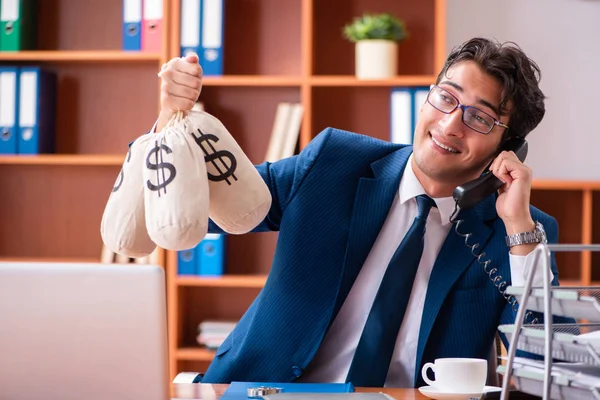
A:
[579,374]
[212,333]
[593,338]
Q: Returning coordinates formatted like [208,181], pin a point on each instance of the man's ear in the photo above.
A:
[505,138]
[496,152]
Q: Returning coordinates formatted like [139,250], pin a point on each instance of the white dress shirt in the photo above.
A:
[332,361]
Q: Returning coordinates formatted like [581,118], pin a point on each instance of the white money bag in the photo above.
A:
[239,198]
[123,226]
[175,187]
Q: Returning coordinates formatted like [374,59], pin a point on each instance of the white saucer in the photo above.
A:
[434,393]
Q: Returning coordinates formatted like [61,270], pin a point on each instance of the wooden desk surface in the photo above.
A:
[206,391]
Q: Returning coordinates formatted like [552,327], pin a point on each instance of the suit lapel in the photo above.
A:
[454,258]
[372,202]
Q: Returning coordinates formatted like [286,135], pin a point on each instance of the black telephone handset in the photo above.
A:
[472,192]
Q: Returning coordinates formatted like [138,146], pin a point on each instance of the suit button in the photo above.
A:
[297,371]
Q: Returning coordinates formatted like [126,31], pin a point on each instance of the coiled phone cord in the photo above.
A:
[492,273]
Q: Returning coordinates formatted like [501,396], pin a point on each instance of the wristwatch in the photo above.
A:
[538,235]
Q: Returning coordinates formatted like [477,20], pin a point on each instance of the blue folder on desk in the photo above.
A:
[239,390]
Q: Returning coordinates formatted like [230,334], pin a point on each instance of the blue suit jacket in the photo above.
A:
[329,203]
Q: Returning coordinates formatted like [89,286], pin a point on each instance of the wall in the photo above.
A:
[563,38]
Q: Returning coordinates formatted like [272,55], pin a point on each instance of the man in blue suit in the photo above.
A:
[344,206]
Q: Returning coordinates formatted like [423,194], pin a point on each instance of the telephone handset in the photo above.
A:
[471,193]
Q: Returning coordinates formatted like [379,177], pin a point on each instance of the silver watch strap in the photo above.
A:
[536,236]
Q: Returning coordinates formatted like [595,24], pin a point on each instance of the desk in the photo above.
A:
[206,391]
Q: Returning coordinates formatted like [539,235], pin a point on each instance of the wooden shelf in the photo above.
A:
[232,281]
[350,80]
[195,354]
[64,159]
[50,259]
[324,80]
[78,55]
[565,184]
[252,80]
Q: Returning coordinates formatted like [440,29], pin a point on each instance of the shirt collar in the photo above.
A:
[410,187]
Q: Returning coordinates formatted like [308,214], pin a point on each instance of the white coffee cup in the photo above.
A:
[457,375]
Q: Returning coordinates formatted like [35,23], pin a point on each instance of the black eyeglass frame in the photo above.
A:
[464,108]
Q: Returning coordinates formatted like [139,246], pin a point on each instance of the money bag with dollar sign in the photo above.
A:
[123,226]
[196,171]
[172,182]
[176,192]
[239,197]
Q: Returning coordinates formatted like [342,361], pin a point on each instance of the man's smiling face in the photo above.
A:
[447,153]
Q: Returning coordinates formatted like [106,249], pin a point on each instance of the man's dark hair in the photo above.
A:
[518,74]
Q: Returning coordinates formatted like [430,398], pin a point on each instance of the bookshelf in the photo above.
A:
[53,203]
[274,51]
[573,203]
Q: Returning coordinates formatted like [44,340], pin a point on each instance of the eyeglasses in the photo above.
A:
[444,101]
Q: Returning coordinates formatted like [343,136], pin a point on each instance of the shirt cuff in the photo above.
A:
[520,268]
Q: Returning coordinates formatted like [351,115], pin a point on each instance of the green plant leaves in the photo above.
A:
[375,26]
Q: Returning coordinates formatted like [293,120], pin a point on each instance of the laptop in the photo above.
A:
[83,331]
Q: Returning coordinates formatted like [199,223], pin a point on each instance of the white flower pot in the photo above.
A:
[376,59]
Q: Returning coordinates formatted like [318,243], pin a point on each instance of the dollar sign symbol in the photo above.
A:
[217,158]
[160,168]
[122,174]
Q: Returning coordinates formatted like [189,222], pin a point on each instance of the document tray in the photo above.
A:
[574,302]
[567,345]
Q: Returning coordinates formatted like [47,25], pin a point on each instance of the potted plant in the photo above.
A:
[376,38]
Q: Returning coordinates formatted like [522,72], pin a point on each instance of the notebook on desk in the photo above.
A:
[328,396]
[239,390]
[83,331]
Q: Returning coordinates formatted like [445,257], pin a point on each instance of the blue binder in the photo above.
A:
[210,254]
[186,262]
[401,115]
[211,57]
[9,106]
[419,95]
[191,28]
[132,25]
[37,111]
[239,390]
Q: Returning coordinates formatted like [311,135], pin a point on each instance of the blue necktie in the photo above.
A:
[376,345]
